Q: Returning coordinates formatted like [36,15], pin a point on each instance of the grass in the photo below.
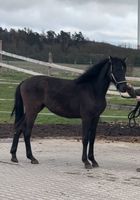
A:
[120,101]
[41,119]
[113,115]
[11,75]
[56,120]
[7,91]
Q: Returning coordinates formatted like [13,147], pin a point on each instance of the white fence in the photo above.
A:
[50,65]
[19,69]
[47,64]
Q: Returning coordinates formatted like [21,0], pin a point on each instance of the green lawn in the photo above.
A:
[7,91]
[122,101]
[11,75]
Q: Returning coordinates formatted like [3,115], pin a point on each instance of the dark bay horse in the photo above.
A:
[83,97]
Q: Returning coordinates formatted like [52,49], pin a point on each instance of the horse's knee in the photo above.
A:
[85,142]
[27,135]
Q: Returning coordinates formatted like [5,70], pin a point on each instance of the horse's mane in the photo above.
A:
[92,72]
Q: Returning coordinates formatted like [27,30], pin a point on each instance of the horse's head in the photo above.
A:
[117,73]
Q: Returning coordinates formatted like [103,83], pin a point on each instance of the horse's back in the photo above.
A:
[39,83]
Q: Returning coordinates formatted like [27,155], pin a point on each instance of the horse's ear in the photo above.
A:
[110,59]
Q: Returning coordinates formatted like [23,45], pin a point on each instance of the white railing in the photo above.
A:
[19,69]
[52,65]
[47,64]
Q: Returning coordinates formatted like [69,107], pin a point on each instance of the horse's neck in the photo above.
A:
[102,82]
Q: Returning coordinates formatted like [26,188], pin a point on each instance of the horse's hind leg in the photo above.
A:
[15,145]
[19,129]
[30,118]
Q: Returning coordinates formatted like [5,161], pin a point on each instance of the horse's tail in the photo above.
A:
[18,109]
[134,114]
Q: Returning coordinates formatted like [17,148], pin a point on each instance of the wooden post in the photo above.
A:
[50,60]
[90,61]
[130,69]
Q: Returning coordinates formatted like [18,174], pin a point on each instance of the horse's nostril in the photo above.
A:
[123,89]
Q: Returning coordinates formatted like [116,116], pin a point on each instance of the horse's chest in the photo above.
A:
[98,107]
[92,107]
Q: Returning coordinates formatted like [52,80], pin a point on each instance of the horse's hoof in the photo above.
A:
[88,166]
[138,169]
[14,160]
[95,165]
[34,161]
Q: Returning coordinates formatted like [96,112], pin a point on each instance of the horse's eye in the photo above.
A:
[118,70]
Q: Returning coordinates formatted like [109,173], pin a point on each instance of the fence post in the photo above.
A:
[130,70]
[50,60]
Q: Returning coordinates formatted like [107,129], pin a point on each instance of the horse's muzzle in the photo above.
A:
[122,87]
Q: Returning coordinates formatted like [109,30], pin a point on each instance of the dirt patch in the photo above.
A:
[114,132]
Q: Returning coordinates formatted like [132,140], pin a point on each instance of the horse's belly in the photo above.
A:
[65,112]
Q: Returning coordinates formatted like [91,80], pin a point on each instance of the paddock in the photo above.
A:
[61,175]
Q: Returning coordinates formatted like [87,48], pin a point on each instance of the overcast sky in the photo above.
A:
[113,21]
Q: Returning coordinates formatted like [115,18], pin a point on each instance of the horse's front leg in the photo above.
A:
[91,142]
[86,124]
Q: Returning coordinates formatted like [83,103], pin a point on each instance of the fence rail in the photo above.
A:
[19,69]
[47,64]
[52,65]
